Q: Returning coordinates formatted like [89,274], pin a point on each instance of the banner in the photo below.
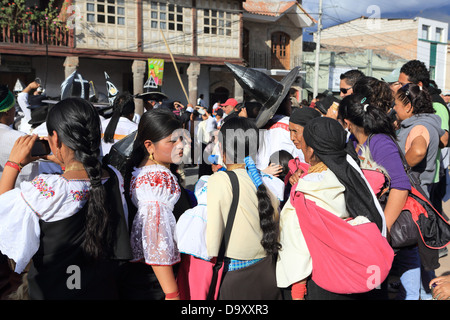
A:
[155,73]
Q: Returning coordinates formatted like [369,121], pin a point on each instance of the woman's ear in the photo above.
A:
[149,146]
[54,139]
[409,108]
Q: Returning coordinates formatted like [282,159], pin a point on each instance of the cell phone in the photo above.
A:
[40,148]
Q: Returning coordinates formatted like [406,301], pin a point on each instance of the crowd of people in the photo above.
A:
[294,200]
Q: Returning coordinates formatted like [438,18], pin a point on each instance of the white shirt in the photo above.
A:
[124,128]
[277,138]
[48,197]
[154,190]
[22,100]
[8,137]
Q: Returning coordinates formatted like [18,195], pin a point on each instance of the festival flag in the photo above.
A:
[155,73]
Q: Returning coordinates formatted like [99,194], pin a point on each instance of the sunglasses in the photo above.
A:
[345,90]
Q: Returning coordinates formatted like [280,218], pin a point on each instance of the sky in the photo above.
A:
[339,11]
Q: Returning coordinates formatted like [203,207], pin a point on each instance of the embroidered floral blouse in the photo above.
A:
[154,190]
[49,197]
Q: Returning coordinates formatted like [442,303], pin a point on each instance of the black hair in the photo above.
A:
[253,107]
[320,96]
[238,108]
[285,107]
[416,71]
[154,125]
[219,112]
[352,76]
[77,124]
[358,110]
[419,98]
[123,106]
[3,92]
[377,92]
[281,157]
[240,138]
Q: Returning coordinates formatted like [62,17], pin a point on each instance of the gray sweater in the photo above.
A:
[426,169]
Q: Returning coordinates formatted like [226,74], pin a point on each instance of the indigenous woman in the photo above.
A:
[65,224]
[370,123]
[331,190]
[249,271]
[121,122]
[154,191]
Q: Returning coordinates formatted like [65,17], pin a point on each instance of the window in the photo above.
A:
[439,32]
[166,16]
[106,11]
[425,32]
[216,22]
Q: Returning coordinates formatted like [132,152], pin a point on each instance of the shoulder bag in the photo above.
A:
[226,237]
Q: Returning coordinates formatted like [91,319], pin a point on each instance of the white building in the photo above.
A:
[418,38]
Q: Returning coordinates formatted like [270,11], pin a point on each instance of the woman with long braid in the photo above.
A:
[121,122]
[253,245]
[153,191]
[65,224]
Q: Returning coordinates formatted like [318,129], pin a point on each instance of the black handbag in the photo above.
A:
[120,152]
[404,232]
[226,235]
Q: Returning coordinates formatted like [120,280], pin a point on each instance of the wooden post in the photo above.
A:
[175,66]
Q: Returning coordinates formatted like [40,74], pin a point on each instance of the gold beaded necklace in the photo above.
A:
[319,167]
[74,167]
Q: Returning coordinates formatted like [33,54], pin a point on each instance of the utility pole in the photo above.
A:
[316,70]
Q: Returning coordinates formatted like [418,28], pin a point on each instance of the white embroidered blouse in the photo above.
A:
[49,197]
[154,191]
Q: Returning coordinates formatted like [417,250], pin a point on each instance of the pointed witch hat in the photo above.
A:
[151,91]
[263,88]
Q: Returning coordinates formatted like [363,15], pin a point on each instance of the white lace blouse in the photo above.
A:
[49,197]
[154,190]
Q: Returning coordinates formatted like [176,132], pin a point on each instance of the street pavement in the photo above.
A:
[192,178]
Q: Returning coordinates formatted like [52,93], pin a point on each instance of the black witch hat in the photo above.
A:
[263,88]
[151,91]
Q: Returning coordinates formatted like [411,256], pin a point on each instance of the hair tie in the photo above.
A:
[253,172]
[365,107]
[363,100]
[97,183]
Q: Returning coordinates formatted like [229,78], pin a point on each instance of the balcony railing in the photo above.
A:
[38,35]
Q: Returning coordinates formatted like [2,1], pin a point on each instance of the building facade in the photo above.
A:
[335,60]
[418,38]
[193,37]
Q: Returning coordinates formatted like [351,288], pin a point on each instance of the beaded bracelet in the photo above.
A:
[14,165]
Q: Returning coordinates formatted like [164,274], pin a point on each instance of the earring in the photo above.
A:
[151,157]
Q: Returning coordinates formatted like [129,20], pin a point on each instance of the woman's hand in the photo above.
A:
[441,288]
[295,177]
[21,151]
[51,157]
[273,169]
[20,154]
